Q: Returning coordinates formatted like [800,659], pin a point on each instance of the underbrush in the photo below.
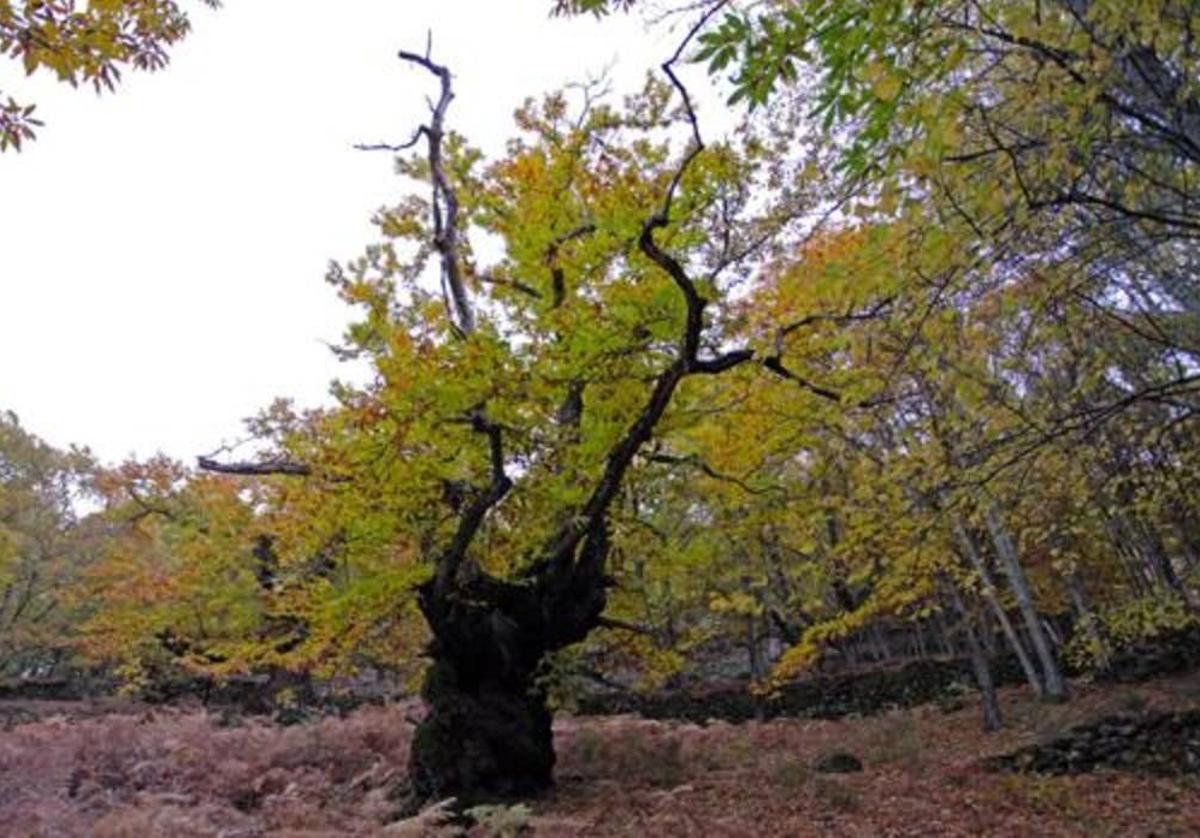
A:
[186,773]
[179,773]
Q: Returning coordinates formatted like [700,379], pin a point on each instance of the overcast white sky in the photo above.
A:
[162,249]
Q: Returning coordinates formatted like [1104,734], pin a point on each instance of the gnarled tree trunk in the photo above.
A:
[487,731]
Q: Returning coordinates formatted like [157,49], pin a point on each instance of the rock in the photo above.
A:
[1158,745]
[839,763]
[821,697]
[1169,653]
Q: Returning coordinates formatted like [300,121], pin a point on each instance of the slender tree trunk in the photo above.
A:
[1191,555]
[987,633]
[1187,532]
[992,719]
[1164,565]
[1088,622]
[1135,569]
[879,639]
[1056,687]
[752,648]
[1149,549]
[850,650]
[1052,632]
[669,623]
[975,559]
[942,634]
[1191,560]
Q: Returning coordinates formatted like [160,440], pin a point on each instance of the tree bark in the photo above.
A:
[1088,621]
[487,731]
[1056,687]
[979,663]
[879,639]
[971,552]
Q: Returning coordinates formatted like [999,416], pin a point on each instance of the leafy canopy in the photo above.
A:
[89,45]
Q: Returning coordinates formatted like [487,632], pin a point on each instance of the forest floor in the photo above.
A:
[110,769]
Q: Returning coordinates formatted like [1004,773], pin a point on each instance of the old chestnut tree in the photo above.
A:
[532,323]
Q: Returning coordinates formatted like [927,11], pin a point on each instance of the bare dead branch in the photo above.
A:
[251,469]
[395,148]
[445,199]
[668,67]
[694,326]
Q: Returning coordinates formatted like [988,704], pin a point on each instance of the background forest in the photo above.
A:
[907,366]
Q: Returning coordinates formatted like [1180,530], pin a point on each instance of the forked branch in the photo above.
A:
[561,548]
[472,518]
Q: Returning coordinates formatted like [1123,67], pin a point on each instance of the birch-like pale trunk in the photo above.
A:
[1006,550]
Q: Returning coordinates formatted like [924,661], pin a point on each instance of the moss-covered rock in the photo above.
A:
[823,697]
[1166,744]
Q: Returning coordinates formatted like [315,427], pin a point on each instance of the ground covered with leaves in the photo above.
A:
[115,770]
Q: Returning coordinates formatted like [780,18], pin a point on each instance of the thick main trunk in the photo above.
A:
[486,734]
[481,739]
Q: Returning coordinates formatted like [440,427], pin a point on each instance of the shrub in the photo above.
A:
[1126,625]
[502,821]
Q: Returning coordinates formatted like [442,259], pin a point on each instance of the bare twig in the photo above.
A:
[395,148]
[702,466]
[871,313]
